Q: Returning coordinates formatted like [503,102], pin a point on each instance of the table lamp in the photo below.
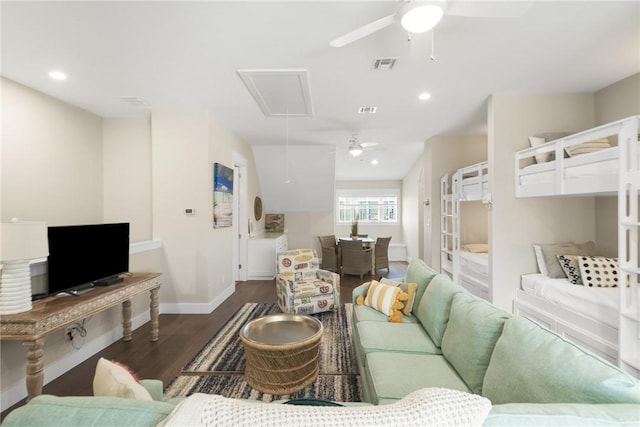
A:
[21,241]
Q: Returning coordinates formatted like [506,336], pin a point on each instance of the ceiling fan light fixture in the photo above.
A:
[355,150]
[418,18]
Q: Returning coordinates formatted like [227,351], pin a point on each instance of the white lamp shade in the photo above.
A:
[418,18]
[23,240]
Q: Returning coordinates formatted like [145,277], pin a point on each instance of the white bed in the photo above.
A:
[472,182]
[604,159]
[587,316]
[473,272]
[587,173]
[600,303]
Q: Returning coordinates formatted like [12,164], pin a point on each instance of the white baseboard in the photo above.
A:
[197,308]
[397,252]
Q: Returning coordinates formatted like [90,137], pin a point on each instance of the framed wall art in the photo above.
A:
[222,196]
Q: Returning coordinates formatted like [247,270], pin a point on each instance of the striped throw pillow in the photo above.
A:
[409,288]
[386,299]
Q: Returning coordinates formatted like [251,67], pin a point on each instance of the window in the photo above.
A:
[369,206]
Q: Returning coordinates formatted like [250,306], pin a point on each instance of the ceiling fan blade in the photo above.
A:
[363,31]
[489,9]
[368,144]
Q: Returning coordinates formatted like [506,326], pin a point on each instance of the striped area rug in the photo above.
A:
[218,368]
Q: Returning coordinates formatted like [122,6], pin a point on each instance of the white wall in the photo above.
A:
[51,159]
[413,209]
[514,224]
[127,175]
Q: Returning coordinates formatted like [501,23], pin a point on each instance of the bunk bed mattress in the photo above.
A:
[533,175]
[598,303]
[475,265]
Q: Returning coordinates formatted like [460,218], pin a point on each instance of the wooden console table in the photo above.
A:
[56,312]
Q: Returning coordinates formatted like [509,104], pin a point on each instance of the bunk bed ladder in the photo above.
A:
[456,182]
[446,232]
[628,242]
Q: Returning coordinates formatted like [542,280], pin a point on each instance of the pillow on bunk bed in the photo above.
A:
[569,264]
[542,267]
[588,147]
[479,248]
[534,141]
[599,272]
[550,254]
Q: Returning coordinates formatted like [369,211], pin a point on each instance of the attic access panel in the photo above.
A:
[279,92]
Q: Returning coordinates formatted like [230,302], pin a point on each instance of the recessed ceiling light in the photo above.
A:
[57,75]
[424,96]
[374,162]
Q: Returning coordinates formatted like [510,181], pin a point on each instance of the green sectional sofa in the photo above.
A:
[455,340]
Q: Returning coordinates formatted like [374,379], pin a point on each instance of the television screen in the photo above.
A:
[80,255]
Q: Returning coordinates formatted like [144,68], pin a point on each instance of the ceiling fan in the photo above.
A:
[356,147]
[419,16]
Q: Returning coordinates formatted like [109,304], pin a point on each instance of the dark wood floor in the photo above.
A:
[181,336]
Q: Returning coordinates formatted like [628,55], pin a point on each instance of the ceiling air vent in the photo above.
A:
[367,110]
[384,63]
[136,101]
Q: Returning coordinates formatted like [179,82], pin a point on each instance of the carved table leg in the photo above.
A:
[154,311]
[126,320]
[35,374]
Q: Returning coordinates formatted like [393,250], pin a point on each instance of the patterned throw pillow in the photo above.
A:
[409,288]
[598,272]
[386,299]
[569,264]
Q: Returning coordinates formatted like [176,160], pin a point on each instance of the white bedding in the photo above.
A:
[598,303]
[473,189]
[474,263]
[540,173]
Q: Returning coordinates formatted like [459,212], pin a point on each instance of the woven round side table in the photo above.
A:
[281,352]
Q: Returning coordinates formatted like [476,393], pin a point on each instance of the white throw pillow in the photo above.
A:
[542,266]
[113,379]
[535,141]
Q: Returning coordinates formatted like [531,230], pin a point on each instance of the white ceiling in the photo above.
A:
[188,53]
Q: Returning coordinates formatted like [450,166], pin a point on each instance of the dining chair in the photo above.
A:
[382,253]
[329,253]
[356,259]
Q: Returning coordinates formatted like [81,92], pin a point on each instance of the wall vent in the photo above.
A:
[384,63]
[367,110]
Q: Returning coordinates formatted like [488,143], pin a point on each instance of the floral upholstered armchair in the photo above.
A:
[302,287]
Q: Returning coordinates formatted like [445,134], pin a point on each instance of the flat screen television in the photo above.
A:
[81,256]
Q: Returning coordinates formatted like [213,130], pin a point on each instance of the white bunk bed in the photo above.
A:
[609,322]
[467,268]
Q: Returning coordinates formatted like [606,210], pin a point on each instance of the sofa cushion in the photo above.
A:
[473,329]
[532,364]
[434,306]
[394,375]
[97,411]
[362,313]
[419,273]
[563,414]
[403,337]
